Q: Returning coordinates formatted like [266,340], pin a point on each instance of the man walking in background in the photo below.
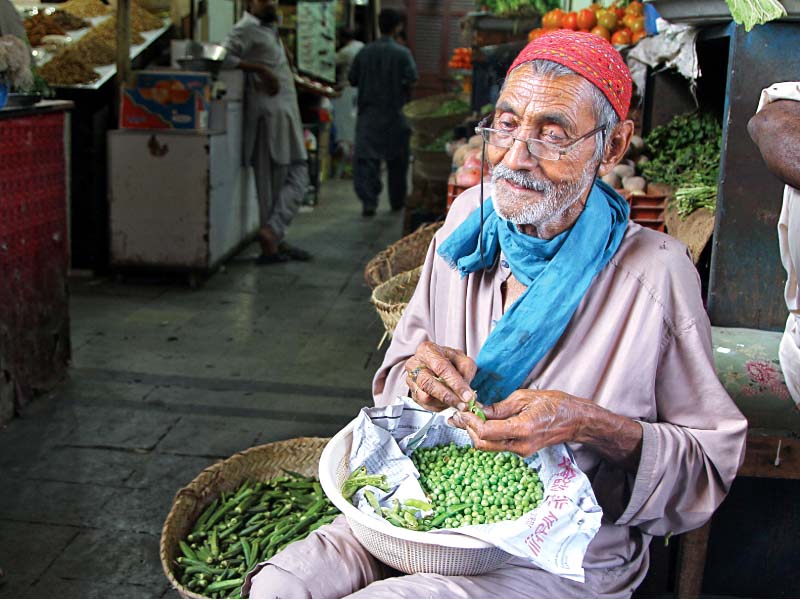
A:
[273,131]
[384,73]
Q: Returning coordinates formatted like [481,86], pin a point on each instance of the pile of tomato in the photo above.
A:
[620,25]
[461,59]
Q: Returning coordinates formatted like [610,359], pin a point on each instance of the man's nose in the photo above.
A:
[519,158]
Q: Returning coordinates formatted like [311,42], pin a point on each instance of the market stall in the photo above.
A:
[34,253]
[75,51]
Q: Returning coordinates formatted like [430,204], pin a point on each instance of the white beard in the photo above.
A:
[516,206]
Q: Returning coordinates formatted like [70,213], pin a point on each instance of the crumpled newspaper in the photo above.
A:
[554,536]
[674,46]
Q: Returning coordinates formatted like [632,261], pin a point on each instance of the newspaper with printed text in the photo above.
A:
[553,537]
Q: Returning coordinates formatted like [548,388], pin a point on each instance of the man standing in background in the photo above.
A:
[344,107]
[384,73]
[775,129]
[273,130]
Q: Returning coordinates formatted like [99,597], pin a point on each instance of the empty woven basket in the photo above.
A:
[258,463]
[405,254]
[391,298]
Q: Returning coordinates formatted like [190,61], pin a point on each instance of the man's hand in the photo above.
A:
[438,377]
[529,420]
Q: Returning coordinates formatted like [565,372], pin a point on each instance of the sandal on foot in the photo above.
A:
[271,259]
[294,253]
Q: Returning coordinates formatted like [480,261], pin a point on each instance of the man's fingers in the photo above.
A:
[447,374]
[521,447]
[465,365]
[438,389]
[505,409]
[427,401]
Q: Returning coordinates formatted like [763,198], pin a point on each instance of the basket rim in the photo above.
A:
[402,278]
[209,471]
[448,539]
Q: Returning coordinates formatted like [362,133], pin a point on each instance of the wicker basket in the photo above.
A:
[391,298]
[258,463]
[446,553]
[427,128]
[432,164]
[404,255]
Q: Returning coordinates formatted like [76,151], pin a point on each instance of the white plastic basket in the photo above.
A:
[406,550]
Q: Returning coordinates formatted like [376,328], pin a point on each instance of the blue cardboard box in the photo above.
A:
[166,100]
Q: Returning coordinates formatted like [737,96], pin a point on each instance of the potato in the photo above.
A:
[634,184]
[624,171]
[613,180]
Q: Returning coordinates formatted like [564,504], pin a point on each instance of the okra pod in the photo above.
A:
[187,551]
[246,549]
[206,514]
[218,586]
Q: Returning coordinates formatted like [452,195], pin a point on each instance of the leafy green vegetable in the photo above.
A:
[685,154]
[439,144]
[451,107]
[755,12]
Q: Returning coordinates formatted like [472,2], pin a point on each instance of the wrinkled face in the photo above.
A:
[532,191]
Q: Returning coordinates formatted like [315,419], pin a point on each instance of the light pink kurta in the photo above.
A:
[639,345]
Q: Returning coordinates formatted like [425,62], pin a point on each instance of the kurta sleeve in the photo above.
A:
[415,326]
[236,44]
[690,456]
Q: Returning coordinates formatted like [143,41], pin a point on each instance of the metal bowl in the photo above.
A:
[205,65]
[206,50]
[23,99]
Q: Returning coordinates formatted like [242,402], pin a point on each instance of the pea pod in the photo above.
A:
[373,501]
[475,408]
[420,504]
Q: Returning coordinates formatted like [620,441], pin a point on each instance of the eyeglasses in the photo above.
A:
[538,148]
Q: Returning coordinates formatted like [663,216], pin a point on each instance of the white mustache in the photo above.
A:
[520,178]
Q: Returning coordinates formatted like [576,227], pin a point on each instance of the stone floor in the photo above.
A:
[166,380]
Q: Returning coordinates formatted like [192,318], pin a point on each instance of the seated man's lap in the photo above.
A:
[331,563]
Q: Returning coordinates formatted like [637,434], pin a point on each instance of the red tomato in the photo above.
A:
[585,30]
[620,12]
[637,24]
[621,38]
[638,35]
[602,32]
[586,19]
[570,21]
[635,8]
[608,20]
[535,33]
[552,19]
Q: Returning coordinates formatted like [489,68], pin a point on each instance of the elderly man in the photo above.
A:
[273,131]
[572,324]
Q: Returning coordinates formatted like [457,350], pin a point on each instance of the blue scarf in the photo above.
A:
[557,273]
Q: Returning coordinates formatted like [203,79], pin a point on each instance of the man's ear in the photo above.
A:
[616,146]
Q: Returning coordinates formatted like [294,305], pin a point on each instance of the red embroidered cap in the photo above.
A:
[588,55]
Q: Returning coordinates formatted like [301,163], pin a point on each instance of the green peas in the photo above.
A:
[494,486]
